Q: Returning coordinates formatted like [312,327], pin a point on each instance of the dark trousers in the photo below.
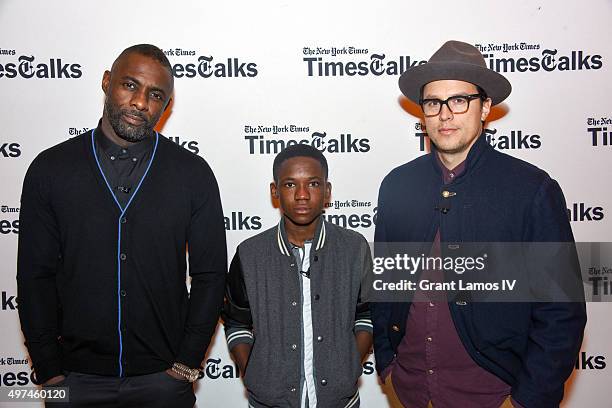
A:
[158,390]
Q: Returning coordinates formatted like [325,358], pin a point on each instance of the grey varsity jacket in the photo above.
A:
[263,308]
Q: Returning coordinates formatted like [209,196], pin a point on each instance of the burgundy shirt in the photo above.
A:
[431,362]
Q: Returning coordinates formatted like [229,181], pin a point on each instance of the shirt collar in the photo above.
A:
[476,152]
[284,245]
[110,148]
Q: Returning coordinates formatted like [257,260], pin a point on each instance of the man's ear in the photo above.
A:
[273,190]
[106,81]
[486,108]
[328,190]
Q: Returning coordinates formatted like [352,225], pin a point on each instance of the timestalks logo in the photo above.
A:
[353,220]
[27,67]
[582,212]
[590,362]
[9,302]
[516,139]
[10,150]
[9,227]
[17,378]
[377,65]
[345,143]
[216,369]
[601,285]
[237,221]
[206,67]
[190,145]
[512,140]
[549,60]
[599,136]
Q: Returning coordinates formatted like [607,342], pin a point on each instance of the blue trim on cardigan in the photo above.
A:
[123,210]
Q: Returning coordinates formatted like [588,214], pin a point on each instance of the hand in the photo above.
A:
[175,375]
[54,380]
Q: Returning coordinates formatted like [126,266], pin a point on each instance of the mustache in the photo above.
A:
[134,113]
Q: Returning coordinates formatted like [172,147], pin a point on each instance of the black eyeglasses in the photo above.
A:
[456,104]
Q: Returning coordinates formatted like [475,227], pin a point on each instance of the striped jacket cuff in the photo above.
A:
[238,336]
[364,325]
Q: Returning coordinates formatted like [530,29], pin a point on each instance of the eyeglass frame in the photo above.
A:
[445,102]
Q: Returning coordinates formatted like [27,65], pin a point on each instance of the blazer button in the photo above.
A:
[395,328]
[317,297]
[461,303]
[319,338]
[294,347]
[324,382]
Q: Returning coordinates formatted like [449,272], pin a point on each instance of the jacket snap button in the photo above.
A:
[319,338]
[324,382]
[461,303]
[395,328]
[294,347]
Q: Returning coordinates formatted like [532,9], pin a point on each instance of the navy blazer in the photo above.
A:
[531,346]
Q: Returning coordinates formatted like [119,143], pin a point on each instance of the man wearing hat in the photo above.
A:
[461,353]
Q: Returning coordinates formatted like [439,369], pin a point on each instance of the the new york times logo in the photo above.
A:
[74,131]
[4,361]
[4,51]
[10,150]
[27,66]
[598,131]
[265,144]
[546,59]
[205,66]
[6,209]
[583,212]
[238,221]
[377,64]
[599,279]
[501,140]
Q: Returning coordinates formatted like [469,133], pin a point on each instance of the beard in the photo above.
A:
[126,131]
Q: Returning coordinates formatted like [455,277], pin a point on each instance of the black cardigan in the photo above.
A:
[103,292]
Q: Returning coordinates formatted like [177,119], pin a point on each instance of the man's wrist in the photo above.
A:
[189,374]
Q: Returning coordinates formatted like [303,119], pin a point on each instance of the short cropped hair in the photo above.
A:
[150,51]
[298,150]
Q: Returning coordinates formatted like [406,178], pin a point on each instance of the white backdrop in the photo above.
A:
[325,72]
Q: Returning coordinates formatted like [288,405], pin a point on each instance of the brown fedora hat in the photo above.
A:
[455,60]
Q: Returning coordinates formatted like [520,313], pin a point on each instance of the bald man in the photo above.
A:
[106,218]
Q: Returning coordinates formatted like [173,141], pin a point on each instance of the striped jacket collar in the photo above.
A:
[284,245]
